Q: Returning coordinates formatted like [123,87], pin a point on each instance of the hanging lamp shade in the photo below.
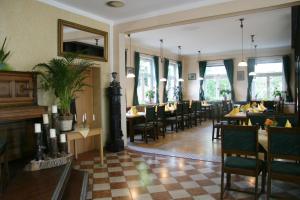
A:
[130,70]
[163,80]
[200,78]
[252,74]
[181,80]
[243,63]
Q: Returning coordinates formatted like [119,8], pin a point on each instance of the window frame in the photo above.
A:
[268,60]
[141,82]
[174,77]
[217,78]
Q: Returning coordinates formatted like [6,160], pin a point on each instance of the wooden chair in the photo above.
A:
[217,122]
[161,121]
[200,112]
[186,116]
[4,171]
[148,127]
[175,118]
[283,143]
[241,141]
[194,114]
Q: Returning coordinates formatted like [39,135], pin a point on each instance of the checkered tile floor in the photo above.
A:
[134,175]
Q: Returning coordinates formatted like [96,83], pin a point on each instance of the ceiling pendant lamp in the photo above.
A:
[130,70]
[161,53]
[243,63]
[198,58]
[255,46]
[179,57]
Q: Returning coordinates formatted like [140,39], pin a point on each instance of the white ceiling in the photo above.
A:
[272,30]
[133,9]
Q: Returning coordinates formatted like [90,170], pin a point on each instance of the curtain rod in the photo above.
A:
[158,56]
[247,57]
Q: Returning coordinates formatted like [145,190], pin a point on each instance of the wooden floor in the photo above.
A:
[193,141]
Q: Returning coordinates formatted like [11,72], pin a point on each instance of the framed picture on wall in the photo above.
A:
[240,75]
[192,76]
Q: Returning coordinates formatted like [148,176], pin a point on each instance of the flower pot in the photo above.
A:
[66,122]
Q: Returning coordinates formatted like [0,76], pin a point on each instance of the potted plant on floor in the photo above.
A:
[65,77]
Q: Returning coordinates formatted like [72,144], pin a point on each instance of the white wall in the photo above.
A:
[191,88]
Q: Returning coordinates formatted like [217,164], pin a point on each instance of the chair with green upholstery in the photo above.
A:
[161,120]
[4,171]
[281,119]
[257,119]
[148,127]
[186,116]
[238,141]
[194,114]
[283,152]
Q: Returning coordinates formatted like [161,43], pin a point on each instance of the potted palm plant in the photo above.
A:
[3,57]
[65,77]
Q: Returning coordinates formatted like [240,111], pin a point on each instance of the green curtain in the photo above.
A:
[136,80]
[251,65]
[202,68]
[179,64]
[230,71]
[166,69]
[156,67]
[286,60]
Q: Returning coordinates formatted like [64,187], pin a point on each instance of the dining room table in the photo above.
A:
[239,117]
[131,119]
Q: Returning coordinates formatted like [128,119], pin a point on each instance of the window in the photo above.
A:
[215,80]
[146,80]
[269,77]
[172,82]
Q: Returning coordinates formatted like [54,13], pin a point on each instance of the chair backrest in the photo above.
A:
[284,143]
[217,113]
[258,118]
[282,118]
[179,109]
[242,140]
[185,108]
[160,112]
[194,106]
[150,114]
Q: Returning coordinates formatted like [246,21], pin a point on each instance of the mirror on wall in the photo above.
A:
[87,42]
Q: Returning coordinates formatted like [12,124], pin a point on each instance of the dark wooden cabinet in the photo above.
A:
[17,88]
[18,112]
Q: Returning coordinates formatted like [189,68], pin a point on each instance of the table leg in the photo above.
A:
[101,149]
[69,147]
[75,149]
[131,132]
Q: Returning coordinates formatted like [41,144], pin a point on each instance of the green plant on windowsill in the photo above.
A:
[150,95]
[225,93]
[3,58]
[276,93]
[65,77]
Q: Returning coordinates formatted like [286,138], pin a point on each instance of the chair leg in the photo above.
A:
[263,180]
[269,186]
[213,134]
[256,187]
[222,184]
[228,183]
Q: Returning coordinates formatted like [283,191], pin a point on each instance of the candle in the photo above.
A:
[75,118]
[62,138]
[37,128]
[94,117]
[54,108]
[52,133]
[83,118]
[45,119]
